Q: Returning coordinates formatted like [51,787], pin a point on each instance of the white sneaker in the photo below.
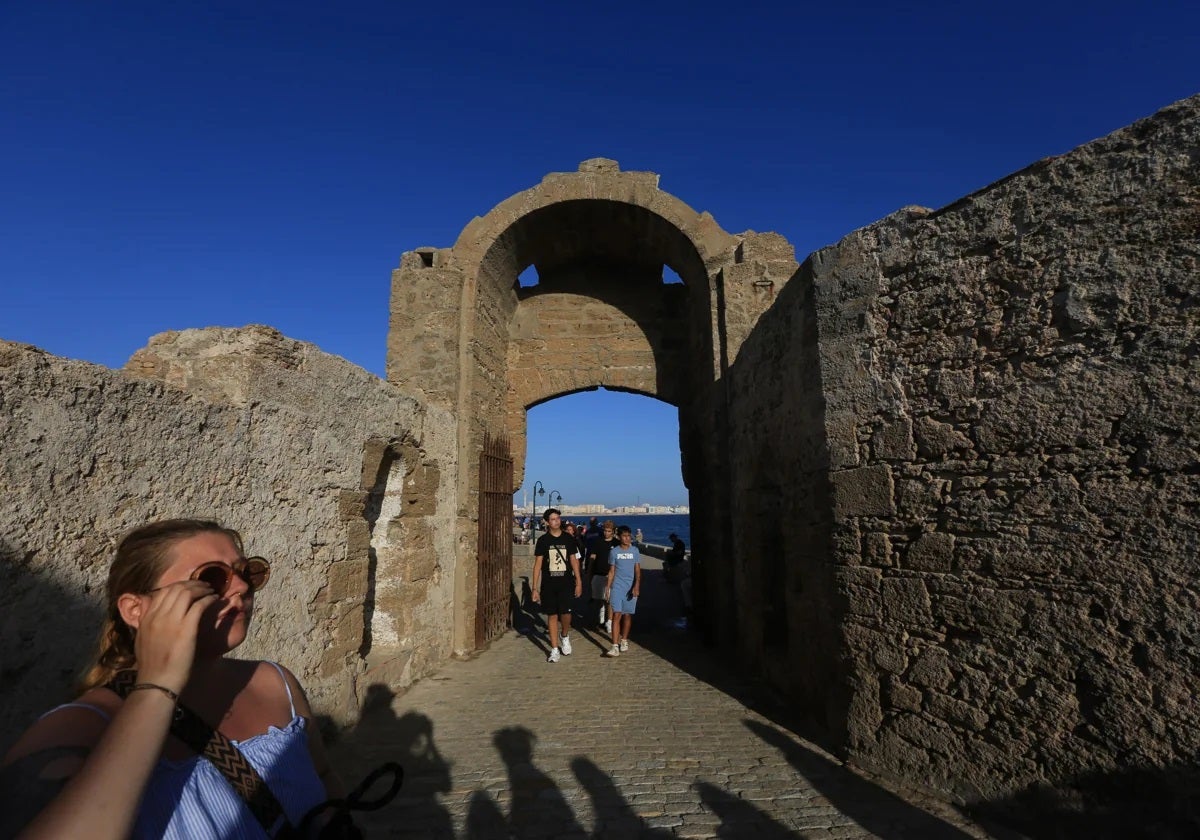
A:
[608,626]
[615,651]
[553,657]
[566,646]
[624,645]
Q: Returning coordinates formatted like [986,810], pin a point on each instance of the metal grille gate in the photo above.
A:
[495,539]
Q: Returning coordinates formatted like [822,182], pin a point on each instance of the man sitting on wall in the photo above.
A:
[674,564]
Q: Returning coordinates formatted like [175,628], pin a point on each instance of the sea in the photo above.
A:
[656,527]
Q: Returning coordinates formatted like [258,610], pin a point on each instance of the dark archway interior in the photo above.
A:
[589,237]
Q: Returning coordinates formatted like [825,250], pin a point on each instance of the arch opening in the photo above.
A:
[573,242]
[603,450]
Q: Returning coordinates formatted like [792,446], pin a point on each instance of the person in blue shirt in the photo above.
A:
[624,586]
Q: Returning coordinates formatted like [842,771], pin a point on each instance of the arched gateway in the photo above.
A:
[466,335]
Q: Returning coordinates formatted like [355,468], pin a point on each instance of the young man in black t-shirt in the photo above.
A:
[598,573]
[556,581]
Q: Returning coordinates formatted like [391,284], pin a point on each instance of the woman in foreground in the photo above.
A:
[180,597]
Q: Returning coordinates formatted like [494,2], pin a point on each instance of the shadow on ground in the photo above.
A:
[532,805]
[1136,804]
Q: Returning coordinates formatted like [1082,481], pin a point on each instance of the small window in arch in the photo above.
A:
[669,275]
[528,277]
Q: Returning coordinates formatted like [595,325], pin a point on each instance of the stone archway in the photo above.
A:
[464,333]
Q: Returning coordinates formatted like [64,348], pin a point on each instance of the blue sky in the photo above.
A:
[175,165]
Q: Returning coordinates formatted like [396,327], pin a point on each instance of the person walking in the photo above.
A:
[624,586]
[598,551]
[556,581]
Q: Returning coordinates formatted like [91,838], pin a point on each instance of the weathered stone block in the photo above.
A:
[866,491]
[899,695]
[877,549]
[930,552]
[955,711]
[906,601]
[938,440]
[894,441]
[931,669]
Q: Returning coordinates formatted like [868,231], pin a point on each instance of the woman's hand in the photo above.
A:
[165,645]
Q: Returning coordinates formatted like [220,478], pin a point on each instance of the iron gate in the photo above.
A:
[495,539]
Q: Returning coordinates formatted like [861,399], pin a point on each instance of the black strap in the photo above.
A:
[340,824]
[190,728]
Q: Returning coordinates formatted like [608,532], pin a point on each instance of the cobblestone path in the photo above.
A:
[655,743]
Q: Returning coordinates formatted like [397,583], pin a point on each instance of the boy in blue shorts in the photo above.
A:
[624,586]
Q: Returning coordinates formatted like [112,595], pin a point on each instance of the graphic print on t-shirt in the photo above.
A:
[557,559]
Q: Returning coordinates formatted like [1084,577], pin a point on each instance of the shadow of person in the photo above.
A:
[379,736]
[597,637]
[530,608]
[538,806]
[614,817]
[521,620]
[741,819]
[875,809]
[485,820]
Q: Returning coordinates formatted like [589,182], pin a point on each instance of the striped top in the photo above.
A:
[191,800]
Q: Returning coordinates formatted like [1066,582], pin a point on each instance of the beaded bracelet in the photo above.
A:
[174,697]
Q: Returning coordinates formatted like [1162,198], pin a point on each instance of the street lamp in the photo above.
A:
[554,493]
[538,490]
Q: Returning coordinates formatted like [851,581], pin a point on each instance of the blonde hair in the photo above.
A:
[142,556]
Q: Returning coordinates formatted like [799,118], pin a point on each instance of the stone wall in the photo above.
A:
[783,605]
[324,468]
[576,336]
[1008,392]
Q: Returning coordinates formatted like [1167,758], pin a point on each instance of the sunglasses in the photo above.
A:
[255,571]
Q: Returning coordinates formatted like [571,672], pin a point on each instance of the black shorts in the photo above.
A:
[558,595]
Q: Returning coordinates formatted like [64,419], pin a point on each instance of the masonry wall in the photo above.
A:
[324,468]
[781,605]
[1011,388]
[576,336]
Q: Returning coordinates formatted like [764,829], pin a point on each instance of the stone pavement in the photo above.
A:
[658,743]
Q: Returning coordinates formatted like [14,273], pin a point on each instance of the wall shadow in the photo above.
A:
[872,807]
[49,634]
[1148,803]
[660,626]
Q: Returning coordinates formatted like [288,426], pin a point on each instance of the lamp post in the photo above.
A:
[550,500]
[538,490]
